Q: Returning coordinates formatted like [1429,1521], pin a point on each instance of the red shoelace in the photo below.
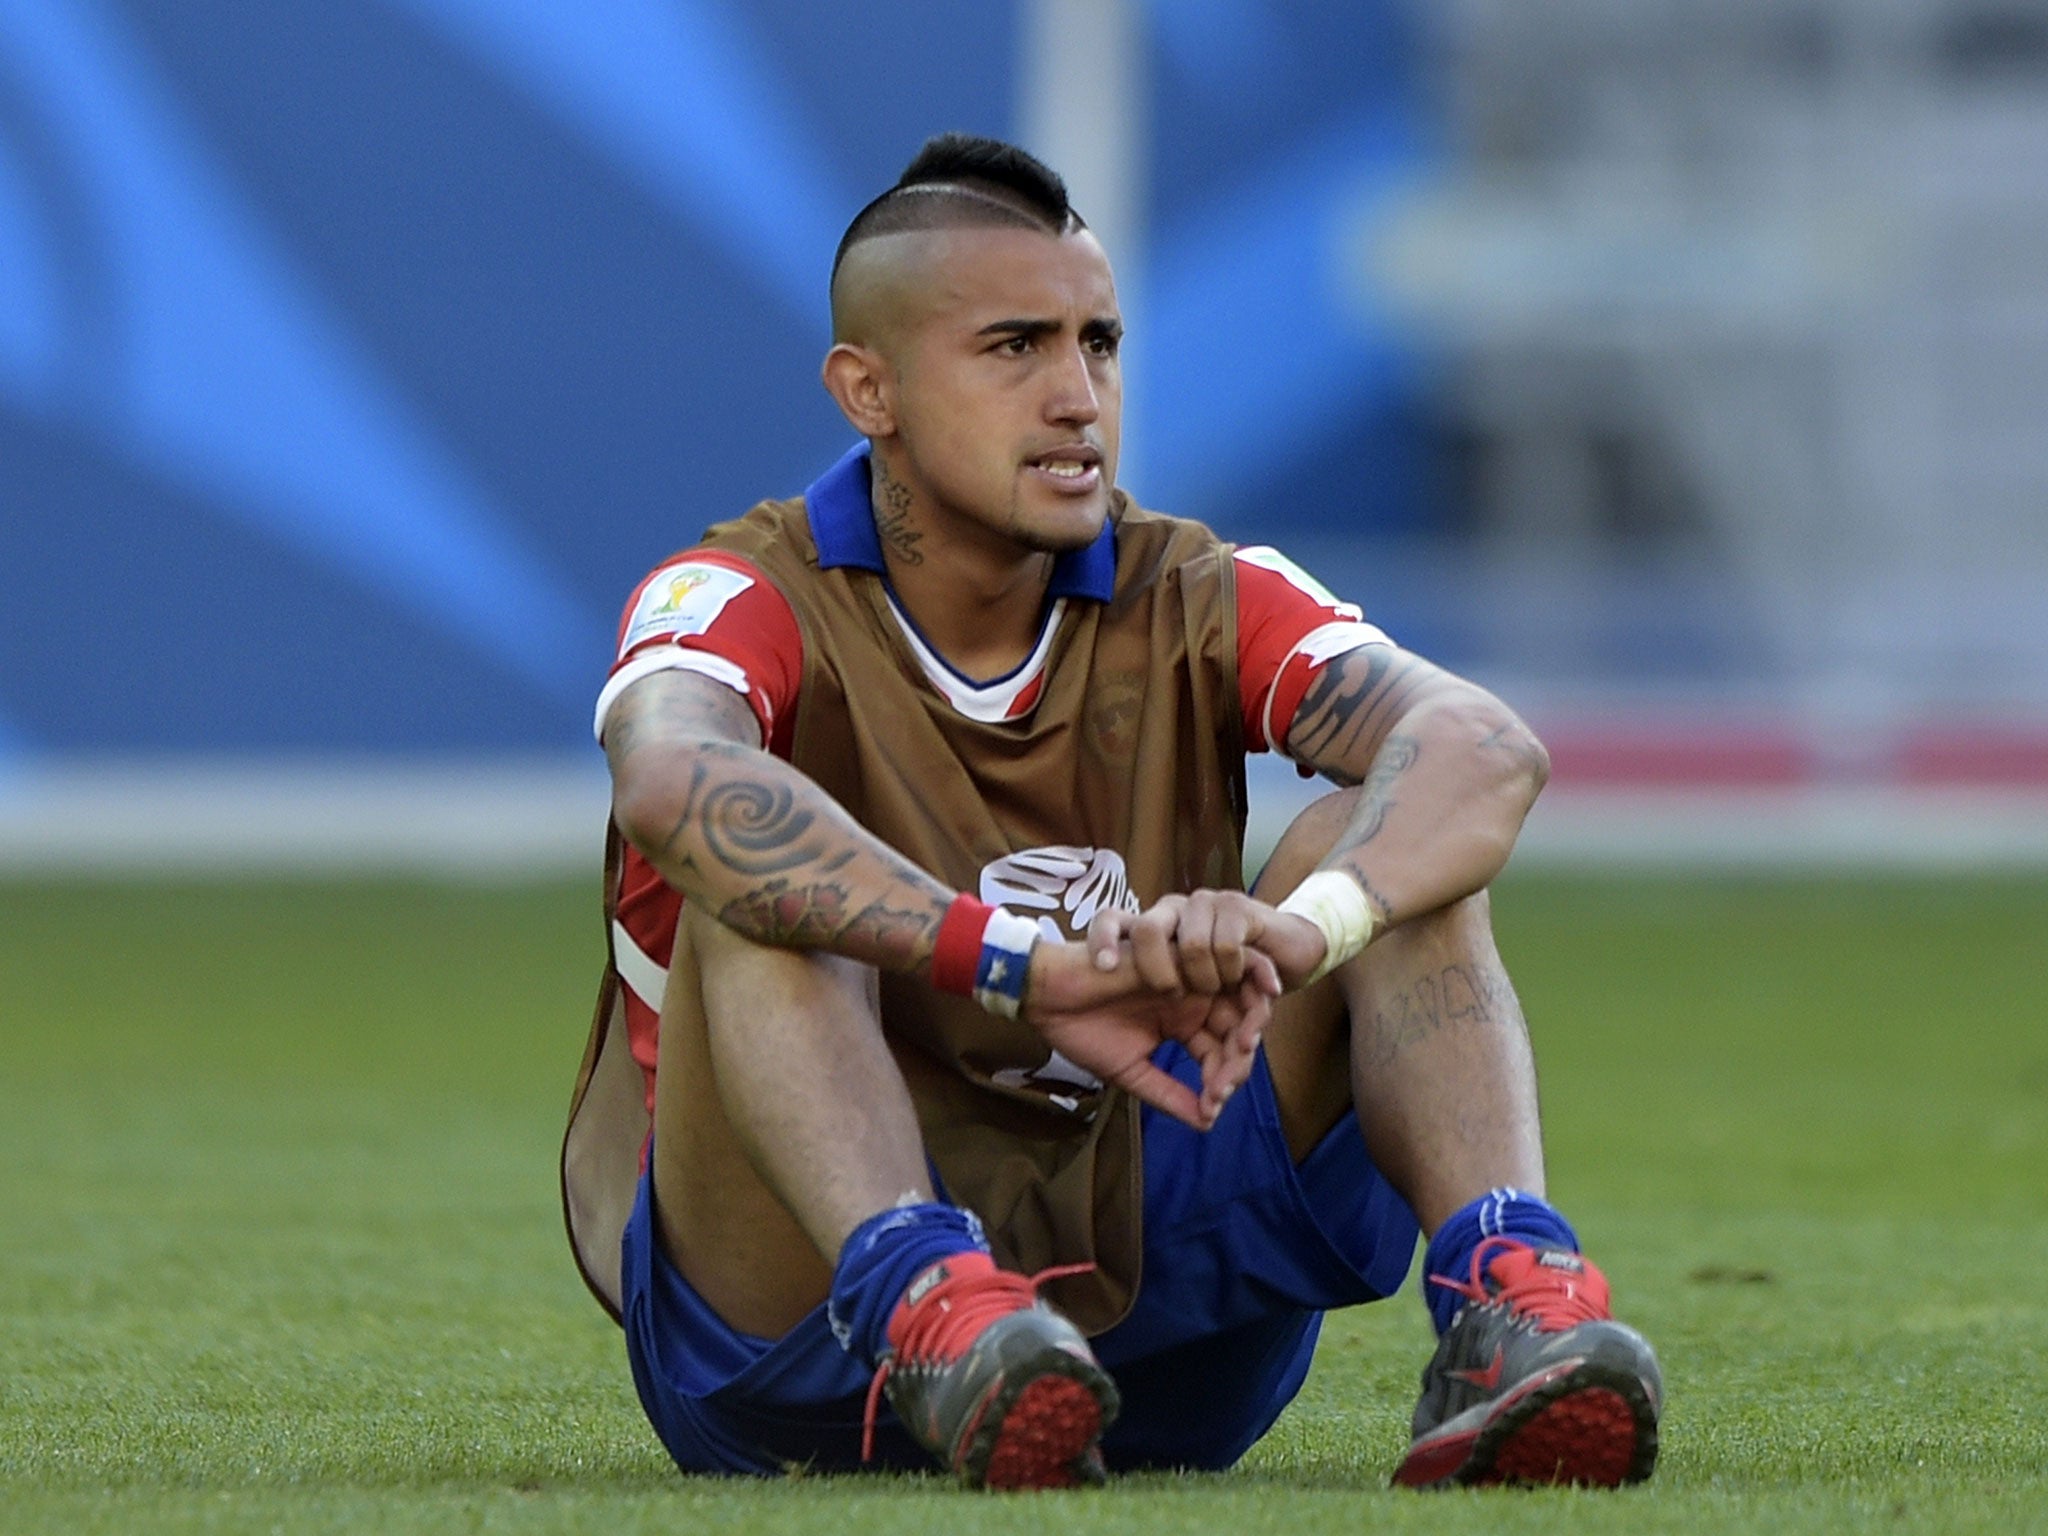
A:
[946,1321]
[1554,1298]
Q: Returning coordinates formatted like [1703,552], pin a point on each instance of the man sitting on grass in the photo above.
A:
[975,1077]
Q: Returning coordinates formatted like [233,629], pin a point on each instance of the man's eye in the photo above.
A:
[1016,346]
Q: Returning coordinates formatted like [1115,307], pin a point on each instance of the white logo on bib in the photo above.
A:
[1076,883]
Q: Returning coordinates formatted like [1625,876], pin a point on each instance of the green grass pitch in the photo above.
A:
[279,1244]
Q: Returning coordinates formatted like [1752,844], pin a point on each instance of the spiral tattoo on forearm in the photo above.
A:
[757,828]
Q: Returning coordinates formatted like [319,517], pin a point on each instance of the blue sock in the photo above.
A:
[881,1257]
[1497,1213]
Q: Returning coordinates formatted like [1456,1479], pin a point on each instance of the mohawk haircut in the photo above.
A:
[959,180]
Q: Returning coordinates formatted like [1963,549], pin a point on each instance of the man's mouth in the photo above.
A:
[1076,468]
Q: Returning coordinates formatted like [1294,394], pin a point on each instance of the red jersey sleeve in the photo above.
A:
[713,613]
[1288,625]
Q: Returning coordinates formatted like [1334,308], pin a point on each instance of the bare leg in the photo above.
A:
[1421,1035]
[782,1122]
[1441,1070]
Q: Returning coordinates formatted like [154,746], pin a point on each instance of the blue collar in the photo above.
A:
[841,508]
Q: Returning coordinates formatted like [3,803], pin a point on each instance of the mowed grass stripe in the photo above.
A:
[282,1244]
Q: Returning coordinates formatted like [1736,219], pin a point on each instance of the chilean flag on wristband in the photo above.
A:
[984,952]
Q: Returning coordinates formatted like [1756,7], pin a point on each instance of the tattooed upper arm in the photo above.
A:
[675,708]
[1353,704]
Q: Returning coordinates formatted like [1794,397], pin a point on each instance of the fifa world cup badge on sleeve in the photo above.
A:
[683,599]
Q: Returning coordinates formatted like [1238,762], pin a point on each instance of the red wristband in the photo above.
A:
[956,954]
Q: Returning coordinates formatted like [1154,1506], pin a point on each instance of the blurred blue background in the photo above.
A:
[357,356]
[355,359]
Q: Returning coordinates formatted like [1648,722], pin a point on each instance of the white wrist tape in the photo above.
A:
[1336,904]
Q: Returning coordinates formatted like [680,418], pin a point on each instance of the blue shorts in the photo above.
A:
[1243,1254]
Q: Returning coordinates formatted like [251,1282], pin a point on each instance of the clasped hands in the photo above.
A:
[1202,969]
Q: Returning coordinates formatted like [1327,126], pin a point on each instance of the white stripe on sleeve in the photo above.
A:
[1324,643]
[671,658]
[643,977]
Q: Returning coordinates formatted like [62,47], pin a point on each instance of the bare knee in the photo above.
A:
[739,977]
[1465,926]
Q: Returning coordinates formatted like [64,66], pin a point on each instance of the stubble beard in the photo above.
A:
[1046,541]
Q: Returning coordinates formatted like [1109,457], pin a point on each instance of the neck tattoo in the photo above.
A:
[892,516]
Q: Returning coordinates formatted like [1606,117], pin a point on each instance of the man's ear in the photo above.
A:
[860,381]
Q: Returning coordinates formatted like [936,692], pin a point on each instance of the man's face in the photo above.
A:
[1009,392]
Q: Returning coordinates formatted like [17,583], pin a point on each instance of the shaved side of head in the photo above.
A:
[956,182]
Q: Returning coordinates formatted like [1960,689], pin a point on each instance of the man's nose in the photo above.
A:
[1073,396]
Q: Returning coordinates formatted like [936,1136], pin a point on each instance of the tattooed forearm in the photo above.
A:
[753,827]
[780,913]
[905,937]
[693,789]
[747,836]
[892,515]
[697,788]
[819,915]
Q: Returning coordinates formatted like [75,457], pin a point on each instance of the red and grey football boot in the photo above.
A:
[1534,1381]
[994,1382]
